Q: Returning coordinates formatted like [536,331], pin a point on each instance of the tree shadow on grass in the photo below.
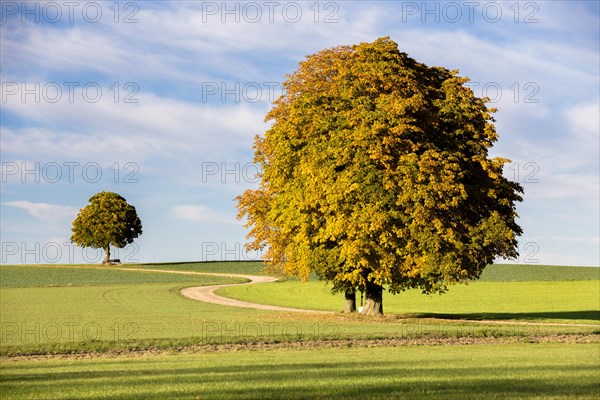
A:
[411,378]
[590,315]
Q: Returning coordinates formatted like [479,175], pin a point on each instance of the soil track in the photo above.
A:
[207,293]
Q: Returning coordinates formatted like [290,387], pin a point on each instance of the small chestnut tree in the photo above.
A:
[107,220]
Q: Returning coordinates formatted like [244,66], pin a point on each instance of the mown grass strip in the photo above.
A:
[507,371]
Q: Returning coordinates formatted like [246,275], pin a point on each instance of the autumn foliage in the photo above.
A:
[376,174]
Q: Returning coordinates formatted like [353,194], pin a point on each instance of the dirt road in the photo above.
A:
[207,294]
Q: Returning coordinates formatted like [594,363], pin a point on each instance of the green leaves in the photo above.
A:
[376,169]
[107,220]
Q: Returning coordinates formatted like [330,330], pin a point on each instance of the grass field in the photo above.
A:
[533,272]
[515,371]
[140,338]
[566,301]
[14,276]
[66,309]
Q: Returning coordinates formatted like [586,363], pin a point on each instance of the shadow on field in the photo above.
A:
[591,315]
[310,380]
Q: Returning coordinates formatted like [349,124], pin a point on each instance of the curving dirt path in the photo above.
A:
[207,294]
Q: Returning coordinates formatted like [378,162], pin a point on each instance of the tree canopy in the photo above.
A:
[108,220]
[375,173]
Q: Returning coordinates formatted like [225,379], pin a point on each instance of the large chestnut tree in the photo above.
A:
[375,175]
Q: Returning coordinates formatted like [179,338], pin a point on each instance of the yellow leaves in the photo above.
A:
[493,166]
[376,168]
[499,162]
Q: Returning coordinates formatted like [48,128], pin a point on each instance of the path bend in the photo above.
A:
[208,295]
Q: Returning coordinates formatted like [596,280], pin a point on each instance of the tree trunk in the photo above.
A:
[350,302]
[373,299]
[107,251]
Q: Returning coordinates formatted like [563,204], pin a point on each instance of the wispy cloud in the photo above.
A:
[199,213]
[148,128]
[585,125]
[44,211]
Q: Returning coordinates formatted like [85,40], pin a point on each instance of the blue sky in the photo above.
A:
[160,102]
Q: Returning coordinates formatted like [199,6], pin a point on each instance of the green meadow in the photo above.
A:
[62,276]
[512,371]
[549,301]
[99,332]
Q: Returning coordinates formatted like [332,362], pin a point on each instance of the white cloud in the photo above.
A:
[199,213]
[559,166]
[151,127]
[74,49]
[44,211]
[180,42]
[585,125]
[584,188]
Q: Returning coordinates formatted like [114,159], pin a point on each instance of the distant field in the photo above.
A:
[533,272]
[232,267]
[26,276]
[492,273]
[512,371]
